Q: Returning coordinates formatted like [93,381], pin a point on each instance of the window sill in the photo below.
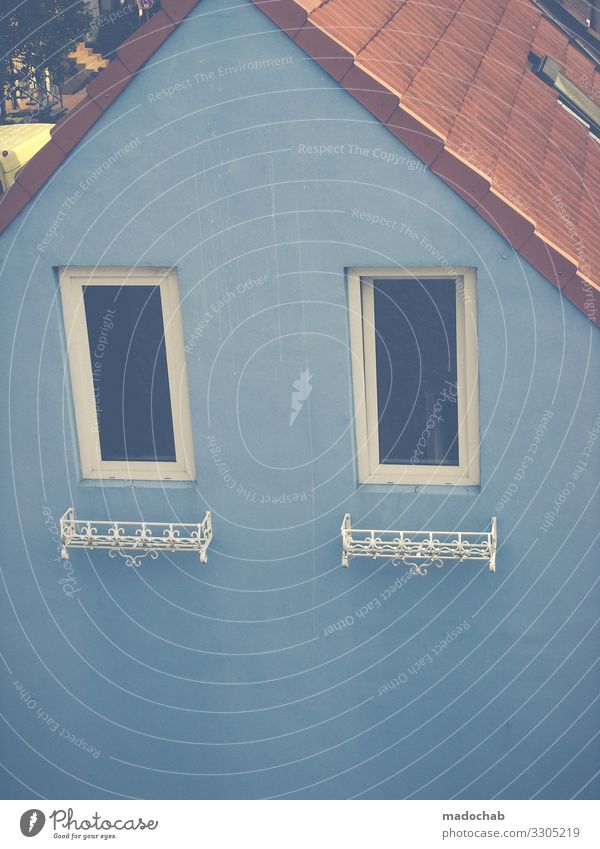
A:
[425,489]
[113,483]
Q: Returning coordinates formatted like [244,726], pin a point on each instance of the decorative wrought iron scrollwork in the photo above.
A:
[132,559]
[419,550]
[134,540]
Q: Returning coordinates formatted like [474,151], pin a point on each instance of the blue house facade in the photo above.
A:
[234,163]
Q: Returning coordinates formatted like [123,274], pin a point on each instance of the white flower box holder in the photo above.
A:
[134,540]
[420,549]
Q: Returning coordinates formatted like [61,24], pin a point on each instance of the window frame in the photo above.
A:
[72,280]
[364,377]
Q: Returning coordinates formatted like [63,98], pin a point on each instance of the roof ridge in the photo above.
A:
[101,92]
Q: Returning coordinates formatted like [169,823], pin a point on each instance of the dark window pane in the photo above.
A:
[415,327]
[129,370]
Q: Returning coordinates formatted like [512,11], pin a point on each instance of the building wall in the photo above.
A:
[272,671]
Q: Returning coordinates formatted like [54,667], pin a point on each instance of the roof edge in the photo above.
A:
[101,92]
[513,223]
[424,141]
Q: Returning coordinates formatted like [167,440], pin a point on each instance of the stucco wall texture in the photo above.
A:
[272,671]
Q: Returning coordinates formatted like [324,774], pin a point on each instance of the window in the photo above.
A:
[414,364]
[126,358]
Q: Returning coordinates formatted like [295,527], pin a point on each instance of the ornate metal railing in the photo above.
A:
[134,540]
[420,549]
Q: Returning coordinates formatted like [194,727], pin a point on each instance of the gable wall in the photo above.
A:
[216,179]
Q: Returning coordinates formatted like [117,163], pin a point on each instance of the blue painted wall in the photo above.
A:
[224,681]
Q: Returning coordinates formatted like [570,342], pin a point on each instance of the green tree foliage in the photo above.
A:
[36,36]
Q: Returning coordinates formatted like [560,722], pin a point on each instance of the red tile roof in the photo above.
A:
[452,81]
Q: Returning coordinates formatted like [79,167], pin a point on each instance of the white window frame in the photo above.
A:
[364,375]
[72,280]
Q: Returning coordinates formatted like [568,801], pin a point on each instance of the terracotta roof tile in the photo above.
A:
[287,14]
[483,116]
[549,40]
[497,80]
[461,176]
[142,43]
[397,52]
[585,295]
[177,10]
[577,69]
[588,218]
[11,203]
[40,167]
[560,186]
[355,23]
[375,96]
[549,260]
[517,170]
[69,131]
[446,75]
[325,50]
[310,5]
[415,134]
[506,217]
[591,85]
[109,84]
